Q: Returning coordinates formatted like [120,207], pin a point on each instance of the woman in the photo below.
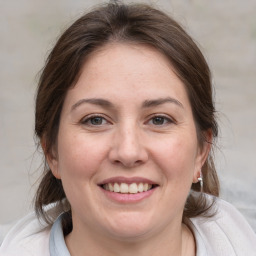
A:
[126,120]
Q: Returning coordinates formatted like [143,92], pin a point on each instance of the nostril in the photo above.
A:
[128,164]
[128,154]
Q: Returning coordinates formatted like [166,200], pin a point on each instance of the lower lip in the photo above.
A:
[128,198]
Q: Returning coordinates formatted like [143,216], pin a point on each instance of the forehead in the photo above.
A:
[128,70]
[127,58]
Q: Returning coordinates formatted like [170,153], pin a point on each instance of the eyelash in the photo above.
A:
[166,120]
[87,119]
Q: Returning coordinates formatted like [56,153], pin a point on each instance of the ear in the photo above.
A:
[202,154]
[51,158]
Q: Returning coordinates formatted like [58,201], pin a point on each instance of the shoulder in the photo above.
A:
[28,237]
[225,233]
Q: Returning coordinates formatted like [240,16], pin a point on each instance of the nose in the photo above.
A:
[127,148]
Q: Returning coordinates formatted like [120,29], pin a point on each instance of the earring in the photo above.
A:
[200,179]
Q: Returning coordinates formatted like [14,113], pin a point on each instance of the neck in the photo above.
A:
[188,242]
[162,243]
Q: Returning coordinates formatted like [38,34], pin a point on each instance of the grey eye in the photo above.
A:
[158,120]
[97,120]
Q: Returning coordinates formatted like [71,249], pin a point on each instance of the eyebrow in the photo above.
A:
[145,104]
[94,101]
[157,102]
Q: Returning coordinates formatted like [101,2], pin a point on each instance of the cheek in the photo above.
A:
[176,157]
[79,157]
[80,160]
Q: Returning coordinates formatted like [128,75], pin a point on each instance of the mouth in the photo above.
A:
[124,185]
[128,188]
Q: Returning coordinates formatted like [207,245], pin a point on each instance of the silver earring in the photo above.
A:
[200,179]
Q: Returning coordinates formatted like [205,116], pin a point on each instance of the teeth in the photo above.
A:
[125,188]
[116,188]
[133,188]
[145,187]
[106,186]
[111,188]
[140,187]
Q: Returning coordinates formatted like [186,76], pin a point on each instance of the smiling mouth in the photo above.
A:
[125,188]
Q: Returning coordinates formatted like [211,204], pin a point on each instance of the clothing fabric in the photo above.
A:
[57,242]
[225,234]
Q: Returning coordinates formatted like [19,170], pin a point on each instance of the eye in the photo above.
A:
[94,121]
[160,120]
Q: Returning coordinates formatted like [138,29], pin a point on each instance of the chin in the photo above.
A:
[130,226]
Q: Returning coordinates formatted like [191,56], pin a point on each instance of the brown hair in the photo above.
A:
[115,22]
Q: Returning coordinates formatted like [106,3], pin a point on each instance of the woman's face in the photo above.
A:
[127,125]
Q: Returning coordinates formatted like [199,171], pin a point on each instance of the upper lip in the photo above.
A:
[127,180]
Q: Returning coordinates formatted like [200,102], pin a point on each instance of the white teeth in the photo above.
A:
[133,189]
[140,187]
[111,188]
[116,188]
[125,188]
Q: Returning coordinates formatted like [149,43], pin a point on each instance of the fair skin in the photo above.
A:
[128,120]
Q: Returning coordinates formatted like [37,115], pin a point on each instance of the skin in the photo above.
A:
[128,138]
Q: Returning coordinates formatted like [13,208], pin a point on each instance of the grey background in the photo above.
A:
[226,32]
